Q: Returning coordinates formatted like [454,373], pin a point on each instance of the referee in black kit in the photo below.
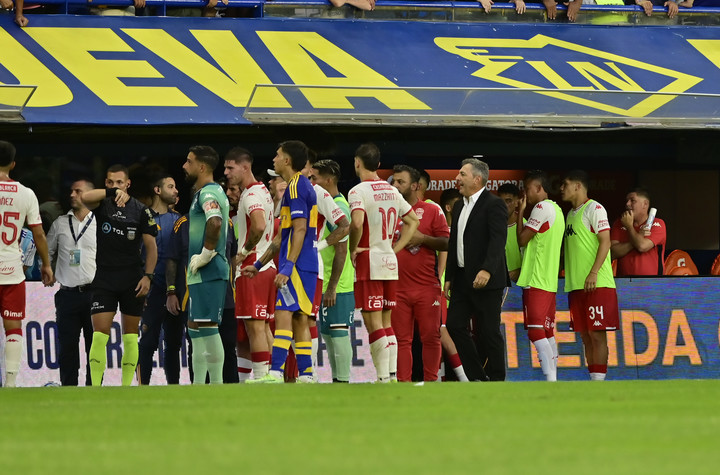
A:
[71,244]
[123,224]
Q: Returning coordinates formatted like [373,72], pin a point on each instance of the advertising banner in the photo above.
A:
[158,70]
[669,328]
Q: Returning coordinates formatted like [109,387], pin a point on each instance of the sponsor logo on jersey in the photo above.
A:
[389,262]
[597,323]
[12,187]
[106,228]
[6,269]
[118,215]
[9,314]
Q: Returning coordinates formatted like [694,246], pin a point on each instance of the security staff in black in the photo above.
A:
[123,224]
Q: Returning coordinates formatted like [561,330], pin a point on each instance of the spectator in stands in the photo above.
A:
[633,243]
[20,19]
[105,10]
[573,7]
[672,5]
[361,4]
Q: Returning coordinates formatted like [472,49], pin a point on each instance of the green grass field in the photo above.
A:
[632,427]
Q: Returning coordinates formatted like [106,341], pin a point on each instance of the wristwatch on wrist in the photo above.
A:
[150,276]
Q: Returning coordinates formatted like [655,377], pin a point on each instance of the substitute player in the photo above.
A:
[208,271]
[123,225]
[328,213]
[542,238]
[338,301]
[253,226]
[18,205]
[298,264]
[375,208]
[588,272]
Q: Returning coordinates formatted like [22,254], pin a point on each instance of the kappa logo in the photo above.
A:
[597,323]
[436,303]
[569,231]
[552,63]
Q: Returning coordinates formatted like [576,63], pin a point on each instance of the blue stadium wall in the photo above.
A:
[159,70]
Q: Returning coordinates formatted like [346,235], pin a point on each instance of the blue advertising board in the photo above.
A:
[161,70]
[669,328]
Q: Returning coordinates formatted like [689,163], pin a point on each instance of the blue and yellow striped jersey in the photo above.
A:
[299,201]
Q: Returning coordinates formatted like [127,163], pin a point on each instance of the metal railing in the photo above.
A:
[488,106]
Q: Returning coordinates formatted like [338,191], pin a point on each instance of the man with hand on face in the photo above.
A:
[542,238]
[639,248]
[123,225]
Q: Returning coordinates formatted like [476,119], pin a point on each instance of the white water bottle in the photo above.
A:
[287,295]
[650,221]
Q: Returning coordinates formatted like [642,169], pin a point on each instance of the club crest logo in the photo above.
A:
[549,64]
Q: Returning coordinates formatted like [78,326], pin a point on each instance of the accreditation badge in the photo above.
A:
[75,257]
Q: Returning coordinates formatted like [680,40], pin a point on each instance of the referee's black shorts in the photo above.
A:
[116,286]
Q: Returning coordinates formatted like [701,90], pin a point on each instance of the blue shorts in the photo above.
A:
[302,290]
[340,315]
[207,301]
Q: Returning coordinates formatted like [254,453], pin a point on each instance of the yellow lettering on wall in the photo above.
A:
[73,48]
[50,92]
[708,48]
[292,49]
[553,77]
[592,71]
[629,318]
[679,325]
[565,361]
[233,83]
[612,348]
[510,320]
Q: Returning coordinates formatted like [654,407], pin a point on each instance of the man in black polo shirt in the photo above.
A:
[123,224]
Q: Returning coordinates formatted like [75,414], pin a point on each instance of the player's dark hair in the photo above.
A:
[118,168]
[369,155]
[298,152]
[413,172]
[424,175]
[160,178]
[7,153]
[207,155]
[448,196]
[239,155]
[312,156]
[509,189]
[579,176]
[538,175]
[328,167]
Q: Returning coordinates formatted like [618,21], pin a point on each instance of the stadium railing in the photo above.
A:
[463,106]
[426,11]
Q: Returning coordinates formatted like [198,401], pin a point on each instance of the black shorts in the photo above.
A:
[117,286]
